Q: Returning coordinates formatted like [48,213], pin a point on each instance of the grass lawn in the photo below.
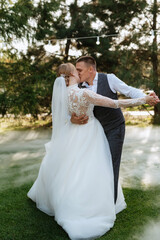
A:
[20,219]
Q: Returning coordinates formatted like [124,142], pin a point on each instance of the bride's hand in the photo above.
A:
[83,119]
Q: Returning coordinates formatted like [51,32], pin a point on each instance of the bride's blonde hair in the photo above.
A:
[66,69]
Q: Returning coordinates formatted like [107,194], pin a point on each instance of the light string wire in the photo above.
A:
[152,32]
[49,40]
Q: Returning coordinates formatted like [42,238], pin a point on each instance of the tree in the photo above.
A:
[26,80]
[79,23]
[140,50]
[154,58]
[52,20]
[19,14]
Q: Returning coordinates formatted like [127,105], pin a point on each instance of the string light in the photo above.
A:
[89,37]
[98,37]
[49,46]
[98,42]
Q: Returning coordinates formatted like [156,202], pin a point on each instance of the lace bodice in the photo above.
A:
[82,101]
[78,102]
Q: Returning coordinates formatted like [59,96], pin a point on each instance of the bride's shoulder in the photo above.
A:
[87,92]
[84,91]
[79,91]
[75,90]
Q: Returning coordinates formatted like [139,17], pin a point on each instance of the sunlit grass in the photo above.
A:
[24,122]
[140,121]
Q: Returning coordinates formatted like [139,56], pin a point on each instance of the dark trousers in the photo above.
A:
[116,138]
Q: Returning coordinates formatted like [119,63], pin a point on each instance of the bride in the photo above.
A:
[75,180]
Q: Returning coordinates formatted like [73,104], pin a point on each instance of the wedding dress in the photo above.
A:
[75,180]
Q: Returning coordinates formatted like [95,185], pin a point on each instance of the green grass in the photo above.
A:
[20,219]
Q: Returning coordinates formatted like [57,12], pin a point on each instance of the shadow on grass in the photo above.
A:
[20,219]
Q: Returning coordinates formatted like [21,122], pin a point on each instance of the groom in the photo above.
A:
[112,120]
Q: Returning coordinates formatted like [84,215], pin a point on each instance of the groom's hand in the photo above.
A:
[83,119]
[155,100]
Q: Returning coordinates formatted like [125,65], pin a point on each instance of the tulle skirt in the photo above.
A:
[75,182]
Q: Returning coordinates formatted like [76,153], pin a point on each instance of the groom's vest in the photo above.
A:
[108,117]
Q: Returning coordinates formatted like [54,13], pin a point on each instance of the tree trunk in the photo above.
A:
[73,12]
[67,50]
[154,60]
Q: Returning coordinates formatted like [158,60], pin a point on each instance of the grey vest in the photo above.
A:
[108,117]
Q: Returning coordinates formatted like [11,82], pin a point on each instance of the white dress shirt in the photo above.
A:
[116,85]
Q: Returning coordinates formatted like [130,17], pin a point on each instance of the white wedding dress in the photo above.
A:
[75,180]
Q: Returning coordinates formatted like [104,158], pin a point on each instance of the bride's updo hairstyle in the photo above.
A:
[66,70]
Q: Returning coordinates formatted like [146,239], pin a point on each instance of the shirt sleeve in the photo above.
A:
[116,85]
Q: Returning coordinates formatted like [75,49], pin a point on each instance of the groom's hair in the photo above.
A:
[88,60]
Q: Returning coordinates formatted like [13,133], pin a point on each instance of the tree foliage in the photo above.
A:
[26,79]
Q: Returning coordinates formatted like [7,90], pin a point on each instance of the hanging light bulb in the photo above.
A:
[98,42]
[49,47]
